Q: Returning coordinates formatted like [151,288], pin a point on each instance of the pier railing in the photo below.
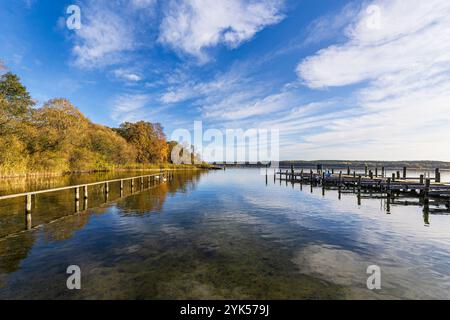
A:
[82,190]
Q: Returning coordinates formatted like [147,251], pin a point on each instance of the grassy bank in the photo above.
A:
[131,167]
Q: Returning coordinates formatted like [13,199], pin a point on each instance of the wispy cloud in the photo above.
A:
[127,75]
[402,72]
[192,26]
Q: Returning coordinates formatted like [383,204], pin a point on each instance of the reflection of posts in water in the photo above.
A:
[85,207]
[121,188]
[132,185]
[426,214]
[426,199]
[28,203]
[388,204]
[323,190]
[339,193]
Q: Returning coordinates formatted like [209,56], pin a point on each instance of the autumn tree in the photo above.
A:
[148,140]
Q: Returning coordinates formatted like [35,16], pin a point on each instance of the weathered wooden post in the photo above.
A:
[77,200]
[382,171]
[438,176]
[348,170]
[393,177]
[332,171]
[398,175]
[422,177]
[142,183]
[404,172]
[427,191]
[366,171]
[340,179]
[376,172]
[28,207]
[292,173]
[106,191]
[370,174]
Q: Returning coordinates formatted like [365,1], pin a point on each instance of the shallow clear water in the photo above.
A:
[225,235]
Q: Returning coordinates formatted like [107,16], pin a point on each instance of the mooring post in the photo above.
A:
[382,171]
[388,187]
[404,172]
[422,177]
[77,194]
[438,175]
[292,173]
[366,171]
[427,191]
[28,206]
[393,177]
[376,172]
[359,182]
[348,170]
[332,171]
[370,174]
[398,175]
[340,179]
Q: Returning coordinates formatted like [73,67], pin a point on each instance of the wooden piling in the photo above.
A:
[404,173]
[438,176]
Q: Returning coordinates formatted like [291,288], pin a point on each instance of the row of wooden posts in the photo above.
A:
[82,191]
[398,181]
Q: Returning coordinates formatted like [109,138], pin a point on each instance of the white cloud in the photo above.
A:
[402,72]
[109,30]
[104,35]
[129,107]
[127,75]
[191,26]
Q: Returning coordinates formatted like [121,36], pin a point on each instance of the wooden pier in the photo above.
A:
[373,180]
[82,191]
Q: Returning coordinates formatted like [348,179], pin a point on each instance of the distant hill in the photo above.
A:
[361,164]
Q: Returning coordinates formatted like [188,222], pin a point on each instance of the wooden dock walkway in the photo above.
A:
[375,180]
[82,191]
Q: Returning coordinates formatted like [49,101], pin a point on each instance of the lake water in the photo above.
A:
[221,235]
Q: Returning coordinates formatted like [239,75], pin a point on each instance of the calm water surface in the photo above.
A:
[224,235]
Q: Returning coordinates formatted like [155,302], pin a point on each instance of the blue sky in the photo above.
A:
[339,79]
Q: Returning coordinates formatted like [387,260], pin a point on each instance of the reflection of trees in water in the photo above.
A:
[66,228]
[153,199]
[13,250]
[24,184]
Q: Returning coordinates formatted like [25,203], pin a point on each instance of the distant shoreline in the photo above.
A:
[338,164]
